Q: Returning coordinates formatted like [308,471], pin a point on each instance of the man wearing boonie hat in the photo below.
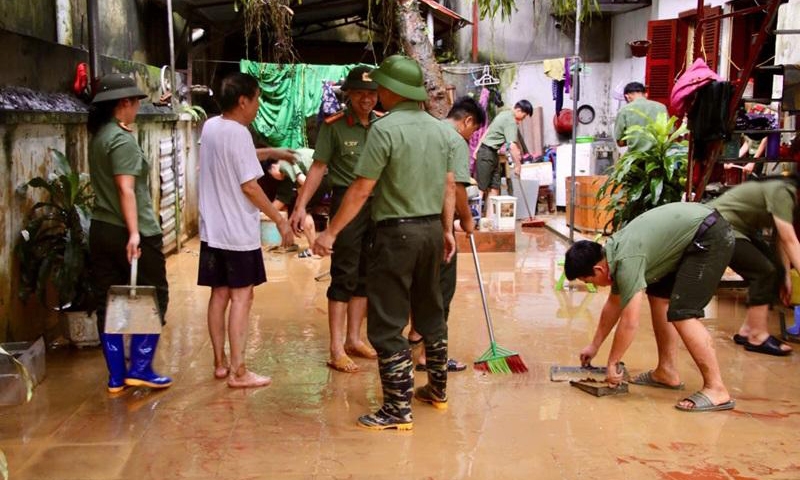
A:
[409,164]
[339,143]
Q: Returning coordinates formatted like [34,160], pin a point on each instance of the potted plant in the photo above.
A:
[53,248]
[644,178]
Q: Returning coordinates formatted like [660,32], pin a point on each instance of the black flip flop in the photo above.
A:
[739,339]
[770,346]
[452,366]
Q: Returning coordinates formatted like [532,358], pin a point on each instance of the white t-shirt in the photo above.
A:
[228,220]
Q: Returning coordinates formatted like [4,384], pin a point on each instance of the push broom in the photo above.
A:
[496,359]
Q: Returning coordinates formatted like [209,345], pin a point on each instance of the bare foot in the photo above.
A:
[221,372]
[248,380]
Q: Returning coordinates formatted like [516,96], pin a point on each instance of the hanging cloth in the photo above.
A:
[554,68]
[289,95]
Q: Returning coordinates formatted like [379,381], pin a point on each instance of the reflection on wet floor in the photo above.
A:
[497,426]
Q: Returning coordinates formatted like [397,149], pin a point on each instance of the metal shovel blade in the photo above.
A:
[132,309]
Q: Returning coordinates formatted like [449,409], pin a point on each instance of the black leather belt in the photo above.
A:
[708,222]
[395,222]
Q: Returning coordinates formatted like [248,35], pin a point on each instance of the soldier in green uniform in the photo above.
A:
[638,111]
[674,255]
[502,131]
[750,208]
[339,143]
[464,118]
[408,162]
[291,175]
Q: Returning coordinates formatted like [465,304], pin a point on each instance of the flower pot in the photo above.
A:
[639,48]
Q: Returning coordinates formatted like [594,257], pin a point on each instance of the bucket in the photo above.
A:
[590,213]
[270,236]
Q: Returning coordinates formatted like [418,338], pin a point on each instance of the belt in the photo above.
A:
[708,222]
[396,222]
[483,145]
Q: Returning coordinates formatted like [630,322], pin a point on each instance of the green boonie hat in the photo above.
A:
[116,86]
[403,76]
[359,79]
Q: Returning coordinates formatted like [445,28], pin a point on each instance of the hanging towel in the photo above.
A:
[554,68]
[694,78]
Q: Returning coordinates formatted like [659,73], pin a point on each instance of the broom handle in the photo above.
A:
[480,286]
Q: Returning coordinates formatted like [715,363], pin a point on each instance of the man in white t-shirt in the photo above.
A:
[230,250]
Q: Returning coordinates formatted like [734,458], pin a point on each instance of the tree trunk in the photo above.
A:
[413,37]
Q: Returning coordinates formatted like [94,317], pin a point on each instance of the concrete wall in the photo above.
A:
[25,155]
[129,29]
[530,34]
[626,68]
[671,8]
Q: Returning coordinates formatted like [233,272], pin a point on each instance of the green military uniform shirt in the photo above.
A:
[339,145]
[407,152]
[114,151]
[651,246]
[502,130]
[460,152]
[631,114]
[303,158]
[749,207]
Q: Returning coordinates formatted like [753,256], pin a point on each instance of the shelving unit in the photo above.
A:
[770,10]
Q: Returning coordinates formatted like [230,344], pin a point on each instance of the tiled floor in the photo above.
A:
[498,426]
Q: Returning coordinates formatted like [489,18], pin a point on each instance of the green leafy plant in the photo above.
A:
[647,176]
[53,246]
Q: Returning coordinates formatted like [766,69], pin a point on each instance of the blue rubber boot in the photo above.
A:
[795,329]
[114,351]
[143,348]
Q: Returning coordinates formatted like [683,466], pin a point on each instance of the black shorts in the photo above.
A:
[229,268]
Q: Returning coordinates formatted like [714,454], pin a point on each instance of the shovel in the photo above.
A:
[131,308]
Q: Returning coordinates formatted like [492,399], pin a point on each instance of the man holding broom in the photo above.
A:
[464,118]
[675,255]
[408,162]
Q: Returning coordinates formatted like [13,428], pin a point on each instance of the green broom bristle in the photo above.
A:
[500,360]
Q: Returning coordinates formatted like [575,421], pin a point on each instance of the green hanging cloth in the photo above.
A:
[289,94]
